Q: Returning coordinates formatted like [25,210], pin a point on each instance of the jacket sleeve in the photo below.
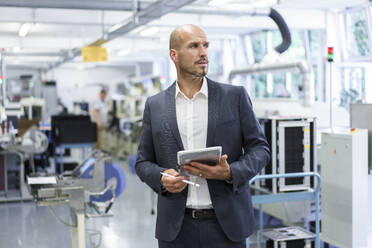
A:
[256,151]
[146,167]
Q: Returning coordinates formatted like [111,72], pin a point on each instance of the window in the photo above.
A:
[260,89]
[297,48]
[259,46]
[352,86]
[279,86]
[357,33]
[286,84]
[315,44]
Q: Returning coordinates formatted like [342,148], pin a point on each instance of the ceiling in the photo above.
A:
[59,28]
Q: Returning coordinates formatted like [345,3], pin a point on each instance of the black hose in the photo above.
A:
[284,31]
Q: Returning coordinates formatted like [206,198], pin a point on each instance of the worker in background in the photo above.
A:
[193,113]
[99,115]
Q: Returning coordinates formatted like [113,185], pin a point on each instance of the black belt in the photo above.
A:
[200,213]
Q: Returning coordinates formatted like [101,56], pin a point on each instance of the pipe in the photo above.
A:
[112,5]
[264,68]
[301,65]
[144,16]
[284,31]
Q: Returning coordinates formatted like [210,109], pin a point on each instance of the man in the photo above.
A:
[99,115]
[196,112]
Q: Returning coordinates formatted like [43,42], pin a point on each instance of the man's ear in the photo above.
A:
[173,55]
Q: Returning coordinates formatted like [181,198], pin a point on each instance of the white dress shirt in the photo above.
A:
[192,121]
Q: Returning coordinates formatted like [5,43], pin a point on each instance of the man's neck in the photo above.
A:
[190,86]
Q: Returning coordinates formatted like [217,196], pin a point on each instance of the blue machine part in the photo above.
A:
[114,175]
[132,163]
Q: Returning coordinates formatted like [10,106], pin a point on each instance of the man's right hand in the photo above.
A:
[173,184]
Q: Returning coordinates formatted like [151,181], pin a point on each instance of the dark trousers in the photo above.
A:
[201,233]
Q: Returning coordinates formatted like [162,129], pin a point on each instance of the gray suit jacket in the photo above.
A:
[232,125]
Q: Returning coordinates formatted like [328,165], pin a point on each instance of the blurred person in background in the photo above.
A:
[99,115]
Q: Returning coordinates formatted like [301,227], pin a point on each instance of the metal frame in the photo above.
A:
[273,155]
[71,146]
[23,191]
[140,18]
[277,164]
[344,13]
[3,85]
[306,155]
[287,197]
[72,189]
[113,5]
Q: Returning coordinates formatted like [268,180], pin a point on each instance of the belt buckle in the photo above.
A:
[193,214]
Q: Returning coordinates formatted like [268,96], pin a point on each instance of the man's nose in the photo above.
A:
[203,52]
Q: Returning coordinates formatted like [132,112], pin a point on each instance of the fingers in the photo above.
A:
[173,184]
[175,188]
[223,159]
[219,171]
[172,172]
[193,169]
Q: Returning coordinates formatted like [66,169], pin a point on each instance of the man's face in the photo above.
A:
[192,56]
[102,95]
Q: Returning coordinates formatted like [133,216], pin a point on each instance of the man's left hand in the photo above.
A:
[220,171]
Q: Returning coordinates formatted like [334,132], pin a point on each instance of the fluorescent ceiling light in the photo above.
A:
[252,5]
[218,2]
[123,52]
[237,6]
[149,31]
[115,27]
[16,49]
[25,28]
[264,3]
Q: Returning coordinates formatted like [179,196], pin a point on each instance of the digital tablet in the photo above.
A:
[210,156]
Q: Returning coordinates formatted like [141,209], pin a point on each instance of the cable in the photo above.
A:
[284,31]
[59,219]
[91,235]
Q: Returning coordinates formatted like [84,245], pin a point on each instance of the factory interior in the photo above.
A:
[74,80]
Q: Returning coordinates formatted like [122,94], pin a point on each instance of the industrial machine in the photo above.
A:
[344,165]
[125,114]
[73,129]
[33,108]
[14,150]
[292,142]
[49,90]
[288,237]
[360,118]
[97,177]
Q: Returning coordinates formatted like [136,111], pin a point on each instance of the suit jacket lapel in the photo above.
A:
[172,115]
[213,103]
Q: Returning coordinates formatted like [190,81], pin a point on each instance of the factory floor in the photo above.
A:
[23,224]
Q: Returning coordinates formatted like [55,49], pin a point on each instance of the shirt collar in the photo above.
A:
[203,90]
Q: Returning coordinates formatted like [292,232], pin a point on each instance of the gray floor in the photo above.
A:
[23,224]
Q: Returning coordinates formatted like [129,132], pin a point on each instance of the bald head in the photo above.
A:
[178,35]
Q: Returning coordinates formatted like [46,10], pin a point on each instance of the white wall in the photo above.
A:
[84,85]
[287,107]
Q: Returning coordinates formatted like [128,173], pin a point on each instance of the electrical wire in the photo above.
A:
[59,219]
[91,232]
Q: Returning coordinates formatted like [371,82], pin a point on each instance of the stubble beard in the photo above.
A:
[194,73]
